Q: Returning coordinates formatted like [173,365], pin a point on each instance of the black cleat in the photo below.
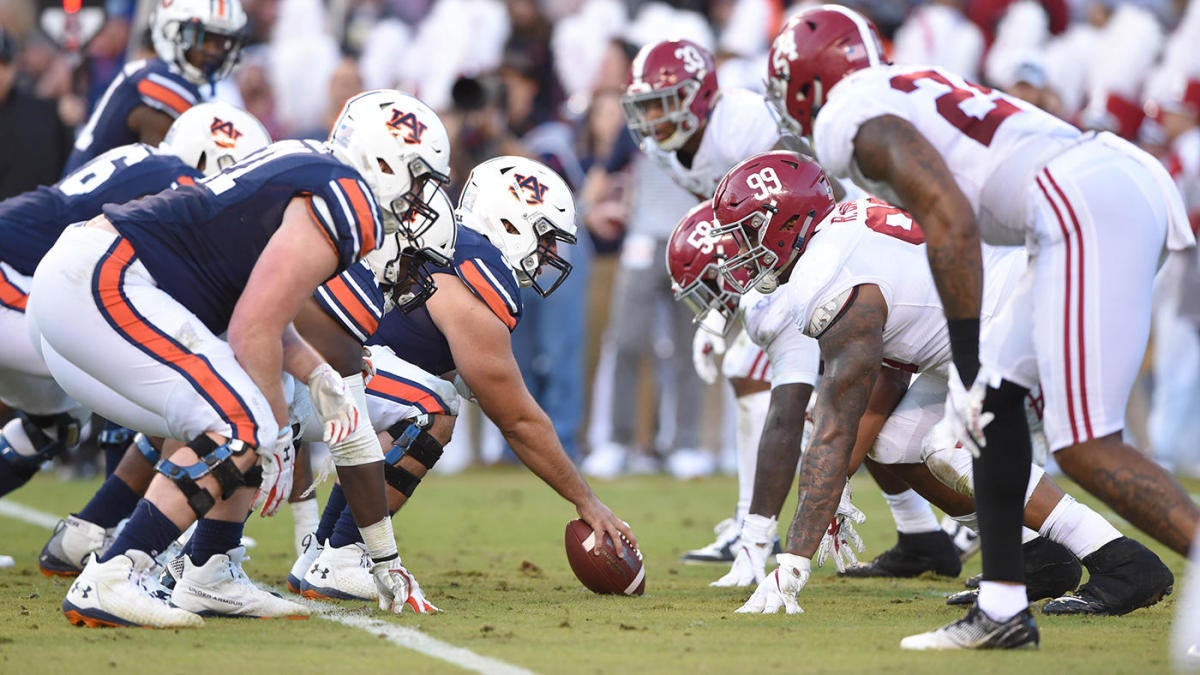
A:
[977,630]
[1050,571]
[913,555]
[1122,576]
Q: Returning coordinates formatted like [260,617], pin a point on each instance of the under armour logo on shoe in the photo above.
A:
[323,571]
[83,590]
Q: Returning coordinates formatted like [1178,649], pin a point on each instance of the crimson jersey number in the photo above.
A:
[884,219]
[949,105]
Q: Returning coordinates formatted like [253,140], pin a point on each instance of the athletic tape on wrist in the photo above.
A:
[379,540]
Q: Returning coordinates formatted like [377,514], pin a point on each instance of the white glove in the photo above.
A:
[841,538]
[964,409]
[780,587]
[333,402]
[278,467]
[398,588]
[753,548]
[368,365]
[706,347]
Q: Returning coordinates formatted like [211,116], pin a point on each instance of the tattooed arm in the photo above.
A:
[779,448]
[890,150]
[852,350]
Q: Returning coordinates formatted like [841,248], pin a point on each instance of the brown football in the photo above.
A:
[607,572]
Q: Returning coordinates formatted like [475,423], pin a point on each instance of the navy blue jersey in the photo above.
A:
[415,338]
[200,242]
[150,82]
[354,300]
[30,223]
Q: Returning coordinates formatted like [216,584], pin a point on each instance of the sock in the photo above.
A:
[969,521]
[380,541]
[114,501]
[1001,602]
[1080,529]
[911,512]
[305,517]
[345,531]
[12,477]
[751,418]
[148,530]
[214,537]
[1001,478]
[1028,535]
[333,509]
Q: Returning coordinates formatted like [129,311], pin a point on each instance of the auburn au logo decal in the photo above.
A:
[534,191]
[406,123]
[224,133]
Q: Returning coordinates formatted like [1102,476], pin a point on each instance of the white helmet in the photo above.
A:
[212,136]
[398,264]
[401,149]
[180,26]
[524,208]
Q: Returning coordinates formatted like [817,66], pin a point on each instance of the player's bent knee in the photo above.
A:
[412,440]
[215,460]
[953,467]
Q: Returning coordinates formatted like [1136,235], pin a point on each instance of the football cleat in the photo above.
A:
[977,630]
[340,574]
[311,548]
[123,592]
[1050,571]
[965,539]
[913,555]
[220,587]
[74,539]
[724,549]
[1123,575]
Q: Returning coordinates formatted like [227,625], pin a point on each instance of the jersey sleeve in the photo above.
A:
[497,288]
[744,125]
[166,92]
[354,300]
[853,101]
[349,216]
[795,358]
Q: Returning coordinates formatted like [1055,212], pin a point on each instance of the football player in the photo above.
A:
[967,161]
[514,213]
[133,302]
[697,132]
[198,42]
[201,142]
[846,274]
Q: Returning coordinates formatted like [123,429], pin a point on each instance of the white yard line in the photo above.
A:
[401,636]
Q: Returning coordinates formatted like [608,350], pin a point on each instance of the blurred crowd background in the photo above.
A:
[609,355]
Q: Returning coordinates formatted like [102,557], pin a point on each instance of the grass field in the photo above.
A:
[487,547]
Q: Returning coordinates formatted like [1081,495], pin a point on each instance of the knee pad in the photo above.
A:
[362,446]
[413,440]
[45,447]
[214,459]
[144,446]
[115,435]
[952,465]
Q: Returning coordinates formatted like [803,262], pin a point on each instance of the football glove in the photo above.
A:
[399,589]
[368,365]
[278,467]
[964,409]
[841,539]
[333,402]
[779,588]
[706,347]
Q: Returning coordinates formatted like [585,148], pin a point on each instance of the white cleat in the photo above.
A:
[122,592]
[74,539]
[220,587]
[311,548]
[340,574]
[978,631]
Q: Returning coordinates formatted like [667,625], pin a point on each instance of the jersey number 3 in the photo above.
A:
[949,105]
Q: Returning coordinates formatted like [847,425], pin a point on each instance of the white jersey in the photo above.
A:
[992,143]
[871,242]
[794,357]
[740,125]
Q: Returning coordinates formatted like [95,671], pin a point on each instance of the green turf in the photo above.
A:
[487,547]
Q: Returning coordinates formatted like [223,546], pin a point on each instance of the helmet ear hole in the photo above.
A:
[202,163]
[384,166]
[509,227]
